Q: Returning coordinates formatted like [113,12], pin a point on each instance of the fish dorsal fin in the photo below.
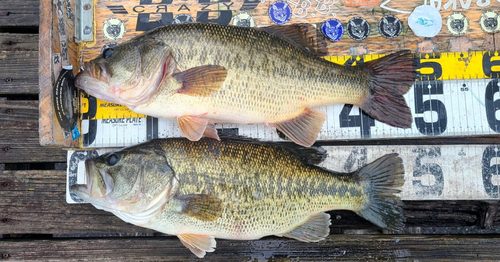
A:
[302,35]
[198,244]
[202,80]
[308,155]
[303,129]
[315,229]
[202,207]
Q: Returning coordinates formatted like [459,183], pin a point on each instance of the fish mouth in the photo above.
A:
[86,188]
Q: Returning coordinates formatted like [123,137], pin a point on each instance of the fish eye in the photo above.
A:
[112,160]
[106,53]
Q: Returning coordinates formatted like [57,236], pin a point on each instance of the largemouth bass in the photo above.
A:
[238,189]
[202,74]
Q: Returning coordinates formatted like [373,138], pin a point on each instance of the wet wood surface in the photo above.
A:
[37,224]
[338,248]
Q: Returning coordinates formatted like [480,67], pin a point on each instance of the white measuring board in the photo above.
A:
[448,172]
[440,108]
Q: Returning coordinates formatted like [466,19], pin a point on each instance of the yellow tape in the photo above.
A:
[433,66]
[443,66]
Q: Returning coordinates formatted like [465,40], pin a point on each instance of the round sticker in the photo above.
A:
[243,19]
[280,12]
[183,18]
[457,24]
[425,21]
[333,29]
[358,28]
[490,22]
[390,26]
[113,29]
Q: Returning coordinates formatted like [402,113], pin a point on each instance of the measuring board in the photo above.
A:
[449,172]
[370,27]
[467,106]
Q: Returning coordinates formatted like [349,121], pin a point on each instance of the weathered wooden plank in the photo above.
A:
[34,202]
[19,72]
[19,67]
[19,13]
[19,134]
[18,42]
[339,247]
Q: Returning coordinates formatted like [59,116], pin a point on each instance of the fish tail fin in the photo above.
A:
[382,179]
[390,77]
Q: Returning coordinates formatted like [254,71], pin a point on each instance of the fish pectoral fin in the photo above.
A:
[202,207]
[303,129]
[198,244]
[301,35]
[193,128]
[202,80]
[315,229]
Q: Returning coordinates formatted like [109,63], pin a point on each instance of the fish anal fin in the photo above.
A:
[198,244]
[211,132]
[192,127]
[202,80]
[302,35]
[303,129]
[202,207]
[315,229]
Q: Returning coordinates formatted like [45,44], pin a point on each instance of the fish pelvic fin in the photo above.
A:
[382,181]
[198,244]
[303,129]
[390,77]
[315,229]
[193,128]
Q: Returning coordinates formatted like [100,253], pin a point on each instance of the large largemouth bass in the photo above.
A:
[202,74]
[234,189]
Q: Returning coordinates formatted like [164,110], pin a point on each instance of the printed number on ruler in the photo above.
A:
[449,172]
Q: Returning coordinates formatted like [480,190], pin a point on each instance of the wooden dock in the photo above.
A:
[37,224]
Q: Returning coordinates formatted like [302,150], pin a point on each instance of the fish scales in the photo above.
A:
[203,74]
[237,189]
[263,189]
[265,84]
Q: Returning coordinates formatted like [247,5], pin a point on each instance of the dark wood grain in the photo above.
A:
[19,13]
[18,42]
[339,248]
[19,67]
[19,134]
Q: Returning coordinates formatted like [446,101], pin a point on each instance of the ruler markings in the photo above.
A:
[447,172]
[440,107]
[453,113]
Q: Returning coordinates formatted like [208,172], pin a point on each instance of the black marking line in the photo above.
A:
[117,9]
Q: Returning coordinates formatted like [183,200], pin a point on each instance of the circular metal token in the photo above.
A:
[390,26]
[358,28]
[333,29]
[490,22]
[243,19]
[457,24]
[280,12]
[425,21]
[183,18]
[113,29]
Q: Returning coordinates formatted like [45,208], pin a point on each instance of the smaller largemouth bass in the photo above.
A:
[201,74]
[238,189]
